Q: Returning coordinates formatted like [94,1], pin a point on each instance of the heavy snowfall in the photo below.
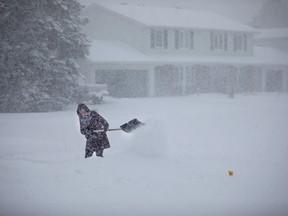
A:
[178,163]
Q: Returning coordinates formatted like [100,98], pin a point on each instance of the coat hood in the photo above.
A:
[82,106]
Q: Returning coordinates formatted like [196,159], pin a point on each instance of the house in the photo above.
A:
[274,37]
[141,51]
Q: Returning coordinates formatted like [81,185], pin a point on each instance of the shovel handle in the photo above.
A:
[114,129]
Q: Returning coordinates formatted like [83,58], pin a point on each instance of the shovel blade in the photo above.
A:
[131,125]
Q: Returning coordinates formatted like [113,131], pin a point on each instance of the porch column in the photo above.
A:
[285,80]
[183,89]
[151,83]
[237,89]
[263,84]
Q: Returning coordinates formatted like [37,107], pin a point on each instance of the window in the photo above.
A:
[225,42]
[240,42]
[218,41]
[159,38]
[184,39]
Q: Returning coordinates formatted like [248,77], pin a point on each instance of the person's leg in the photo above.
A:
[99,151]
[88,153]
[89,148]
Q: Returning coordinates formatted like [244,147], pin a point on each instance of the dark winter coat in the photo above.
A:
[96,141]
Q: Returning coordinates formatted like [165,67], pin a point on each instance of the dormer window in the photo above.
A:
[184,39]
[159,38]
[240,42]
[218,41]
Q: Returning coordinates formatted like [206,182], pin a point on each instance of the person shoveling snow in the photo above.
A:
[94,127]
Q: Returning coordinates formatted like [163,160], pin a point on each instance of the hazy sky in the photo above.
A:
[241,10]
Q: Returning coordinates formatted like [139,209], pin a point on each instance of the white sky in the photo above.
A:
[242,10]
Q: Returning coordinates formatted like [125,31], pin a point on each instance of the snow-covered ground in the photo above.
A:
[177,164]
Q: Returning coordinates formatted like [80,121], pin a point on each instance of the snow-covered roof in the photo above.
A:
[115,51]
[175,17]
[273,33]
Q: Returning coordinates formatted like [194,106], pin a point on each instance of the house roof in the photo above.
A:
[272,33]
[175,17]
[117,52]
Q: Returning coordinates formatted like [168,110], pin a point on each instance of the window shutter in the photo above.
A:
[245,42]
[165,39]
[153,38]
[234,43]
[216,41]
[176,39]
[220,41]
[191,40]
[225,42]
[212,41]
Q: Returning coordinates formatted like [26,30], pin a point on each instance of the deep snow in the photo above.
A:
[177,164]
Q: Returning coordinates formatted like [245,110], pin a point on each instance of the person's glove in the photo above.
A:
[98,131]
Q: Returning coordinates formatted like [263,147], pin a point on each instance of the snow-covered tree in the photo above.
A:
[274,14]
[39,44]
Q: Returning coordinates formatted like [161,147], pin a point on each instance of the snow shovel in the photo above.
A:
[129,126]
